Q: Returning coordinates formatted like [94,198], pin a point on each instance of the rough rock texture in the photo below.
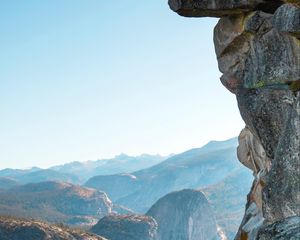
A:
[219,8]
[287,19]
[251,153]
[126,227]
[286,229]
[243,46]
[184,215]
[21,229]
[258,50]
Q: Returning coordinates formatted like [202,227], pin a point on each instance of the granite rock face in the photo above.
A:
[20,229]
[251,153]
[288,228]
[258,50]
[287,19]
[126,227]
[184,215]
[243,46]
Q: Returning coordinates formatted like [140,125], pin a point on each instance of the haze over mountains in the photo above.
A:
[6,182]
[119,164]
[195,169]
[213,169]
[79,172]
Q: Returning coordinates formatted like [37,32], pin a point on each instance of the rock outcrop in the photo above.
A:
[126,227]
[251,153]
[21,229]
[258,50]
[184,215]
[288,228]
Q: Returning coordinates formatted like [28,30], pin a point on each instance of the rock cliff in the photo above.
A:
[184,215]
[126,227]
[258,50]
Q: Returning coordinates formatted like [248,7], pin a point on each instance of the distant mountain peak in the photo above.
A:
[232,142]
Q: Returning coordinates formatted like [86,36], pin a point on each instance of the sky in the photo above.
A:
[85,80]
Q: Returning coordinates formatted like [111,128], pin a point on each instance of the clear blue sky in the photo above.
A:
[83,80]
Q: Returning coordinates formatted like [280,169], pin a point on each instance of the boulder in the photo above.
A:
[126,227]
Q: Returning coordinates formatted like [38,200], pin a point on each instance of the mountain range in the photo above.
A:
[196,168]
[119,164]
[79,172]
[213,169]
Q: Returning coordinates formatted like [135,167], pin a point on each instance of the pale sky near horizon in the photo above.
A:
[84,80]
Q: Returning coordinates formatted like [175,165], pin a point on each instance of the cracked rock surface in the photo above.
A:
[257,45]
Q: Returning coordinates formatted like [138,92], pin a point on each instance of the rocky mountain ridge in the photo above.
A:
[79,172]
[56,202]
[212,168]
[6,182]
[122,163]
[17,229]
